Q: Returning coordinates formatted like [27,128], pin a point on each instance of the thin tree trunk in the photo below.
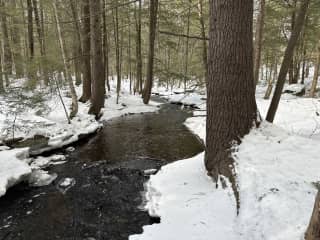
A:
[271,80]
[231,106]
[316,74]
[258,42]
[67,68]
[287,60]
[138,87]
[1,69]
[204,41]
[7,53]
[86,86]
[77,44]
[16,40]
[117,46]
[105,46]
[313,231]
[187,49]
[43,67]
[152,36]
[98,90]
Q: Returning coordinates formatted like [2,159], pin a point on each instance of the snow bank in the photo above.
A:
[277,169]
[12,169]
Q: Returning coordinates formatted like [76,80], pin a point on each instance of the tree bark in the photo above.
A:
[77,44]
[287,60]
[7,53]
[231,106]
[105,46]
[67,68]
[86,86]
[117,46]
[97,70]
[316,74]
[16,41]
[204,41]
[152,36]
[258,42]
[187,49]
[313,231]
[138,85]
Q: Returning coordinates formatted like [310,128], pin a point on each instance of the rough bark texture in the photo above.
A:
[231,106]
[258,42]
[86,87]
[97,70]
[152,37]
[288,55]
[313,231]
[67,68]
[316,74]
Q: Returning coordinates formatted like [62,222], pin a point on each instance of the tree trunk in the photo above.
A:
[16,40]
[138,86]
[86,86]
[313,231]
[316,74]
[231,106]
[152,36]
[271,80]
[1,67]
[204,41]
[7,53]
[117,46]
[258,42]
[67,68]
[187,49]
[77,43]
[105,46]
[97,99]
[287,60]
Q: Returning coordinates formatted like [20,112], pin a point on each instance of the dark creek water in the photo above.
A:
[109,175]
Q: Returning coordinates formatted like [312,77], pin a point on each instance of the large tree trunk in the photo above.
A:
[67,68]
[287,60]
[313,231]
[231,106]
[86,86]
[152,37]
[258,42]
[316,74]
[97,99]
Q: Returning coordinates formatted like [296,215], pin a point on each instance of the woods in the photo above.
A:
[199,117]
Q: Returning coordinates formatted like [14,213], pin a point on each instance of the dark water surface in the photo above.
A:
[109,175]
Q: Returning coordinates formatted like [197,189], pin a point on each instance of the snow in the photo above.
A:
[12,169]
[26,114]
[277,167]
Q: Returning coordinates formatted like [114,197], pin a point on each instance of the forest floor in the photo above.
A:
[35,122]
[277,169]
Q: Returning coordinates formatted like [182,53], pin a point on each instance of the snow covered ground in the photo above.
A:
[40,112]
[277,168]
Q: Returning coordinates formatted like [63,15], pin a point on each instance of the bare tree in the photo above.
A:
[287,60]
